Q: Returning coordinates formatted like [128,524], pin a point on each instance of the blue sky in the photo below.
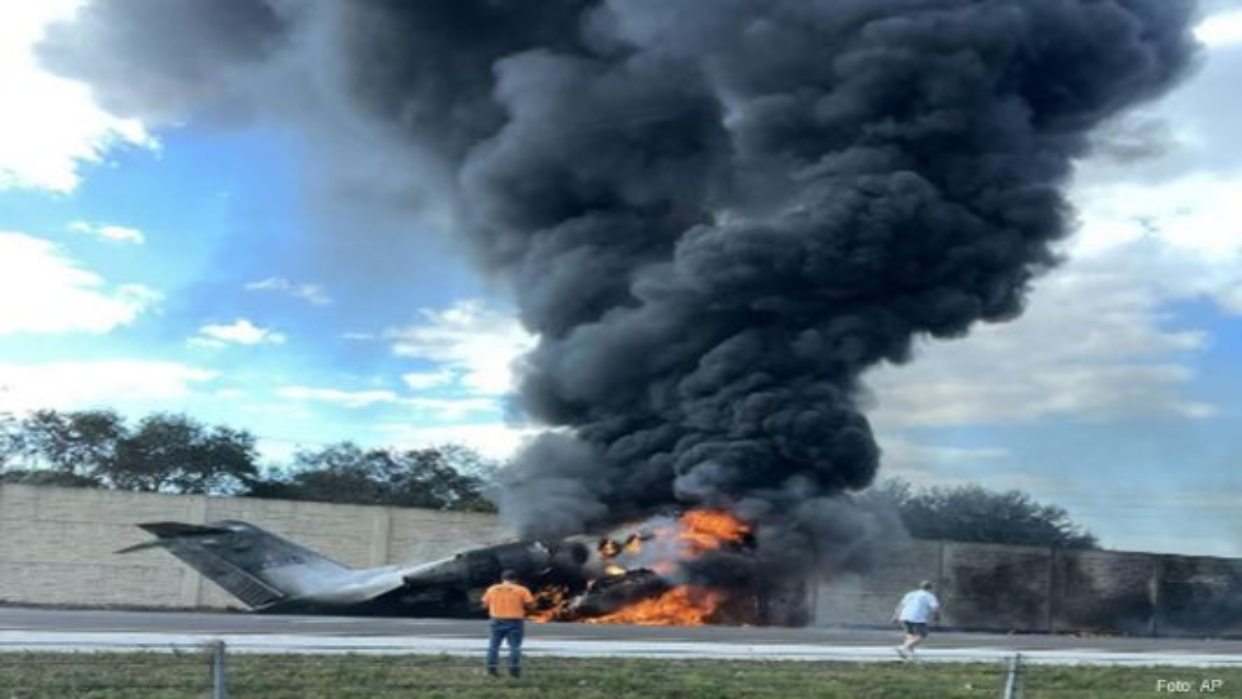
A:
[187,267]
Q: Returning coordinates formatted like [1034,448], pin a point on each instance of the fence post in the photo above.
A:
[1050,621]
[219,689]
[1011,677]
[1153,592]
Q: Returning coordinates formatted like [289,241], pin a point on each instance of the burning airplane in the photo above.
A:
[715,216]
[641,574]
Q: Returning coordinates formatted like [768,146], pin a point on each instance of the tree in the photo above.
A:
[449,477]
[174,453]
[167,453]
[337,473]
[72,445]
[43,476]
[9,430]
[975,514]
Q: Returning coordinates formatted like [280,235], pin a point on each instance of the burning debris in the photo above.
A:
[684,605]
[645,577]
[715,215]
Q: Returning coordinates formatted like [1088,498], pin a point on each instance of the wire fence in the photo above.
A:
[216,671]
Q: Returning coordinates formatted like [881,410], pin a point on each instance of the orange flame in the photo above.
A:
[633,544]
[683,605]
[695,533]
[549,601]
[708,530]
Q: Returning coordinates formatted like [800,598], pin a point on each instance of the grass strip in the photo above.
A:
[187,675]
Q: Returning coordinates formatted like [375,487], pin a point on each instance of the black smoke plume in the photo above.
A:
[716,214]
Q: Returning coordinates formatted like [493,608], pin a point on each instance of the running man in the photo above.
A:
[507,603]
[915,611]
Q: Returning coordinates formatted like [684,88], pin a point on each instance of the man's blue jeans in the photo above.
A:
[502,629]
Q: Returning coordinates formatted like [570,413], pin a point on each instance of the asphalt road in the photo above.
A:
[126,622]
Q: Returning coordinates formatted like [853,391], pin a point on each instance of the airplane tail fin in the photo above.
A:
[254,565]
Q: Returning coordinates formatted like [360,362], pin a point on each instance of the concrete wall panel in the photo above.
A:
[92,585]
[417,535]
[1197,595]
[869,599]
[1102,592]
[56,547]
[999,588]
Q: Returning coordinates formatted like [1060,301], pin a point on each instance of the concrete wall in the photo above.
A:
[57,545]
[869,599]
[1104,591]
[1033,589]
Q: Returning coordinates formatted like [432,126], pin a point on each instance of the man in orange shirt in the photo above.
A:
[507,604]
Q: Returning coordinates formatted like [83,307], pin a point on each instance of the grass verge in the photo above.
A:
[187,675]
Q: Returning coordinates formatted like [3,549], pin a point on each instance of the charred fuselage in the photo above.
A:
[576,578]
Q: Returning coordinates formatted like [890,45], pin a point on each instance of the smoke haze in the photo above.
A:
[715,214]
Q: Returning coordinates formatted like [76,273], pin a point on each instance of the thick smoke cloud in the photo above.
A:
[718,214]
[170,61]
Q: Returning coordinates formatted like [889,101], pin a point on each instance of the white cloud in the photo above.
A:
[423,380]
[49,126]
[441,409]
[1199,212]
[240,332]
[1093,344]
[311,293]
[478,343]
[906,454]
[1101,338]
[1191,225]
[83,384]
[111,233]
[282,411]
[44,291]
[449,409]
[494,440]
[936,465]
[1221,29]
[347,399]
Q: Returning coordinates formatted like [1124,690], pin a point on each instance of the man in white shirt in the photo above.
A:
[915,611]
